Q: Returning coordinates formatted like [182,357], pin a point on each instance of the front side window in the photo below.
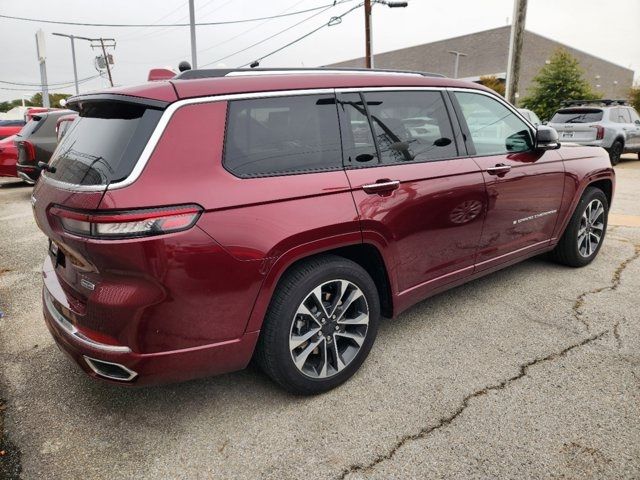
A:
[494,129]
[635,118]
[411,126]
[282,135]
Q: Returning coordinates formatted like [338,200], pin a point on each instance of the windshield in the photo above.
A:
[577,115]
[104,143]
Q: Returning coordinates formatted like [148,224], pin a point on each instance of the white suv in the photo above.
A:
[610,124]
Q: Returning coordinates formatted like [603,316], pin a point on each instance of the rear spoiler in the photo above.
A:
[606,102]
[75,103]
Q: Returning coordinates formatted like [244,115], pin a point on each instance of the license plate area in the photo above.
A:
[567,135]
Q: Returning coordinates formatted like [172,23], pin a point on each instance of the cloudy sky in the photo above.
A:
[573,22]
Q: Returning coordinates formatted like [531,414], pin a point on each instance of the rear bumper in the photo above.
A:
[145,369]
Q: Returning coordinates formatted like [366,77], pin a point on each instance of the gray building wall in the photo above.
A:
[487,55]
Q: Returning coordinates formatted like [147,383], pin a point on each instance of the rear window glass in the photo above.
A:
[104,143]
[282,135]
[32,126]
[577,115]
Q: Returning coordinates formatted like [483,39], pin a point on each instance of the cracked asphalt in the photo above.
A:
[531,372]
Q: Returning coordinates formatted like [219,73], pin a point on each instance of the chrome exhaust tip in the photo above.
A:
[110,370]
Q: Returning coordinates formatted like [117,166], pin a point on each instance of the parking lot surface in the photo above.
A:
[531,372]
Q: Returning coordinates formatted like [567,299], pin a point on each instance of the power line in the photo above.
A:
[159,25]
[331,22]
[269,37]
[27,84]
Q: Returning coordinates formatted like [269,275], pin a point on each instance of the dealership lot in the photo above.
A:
[531,372]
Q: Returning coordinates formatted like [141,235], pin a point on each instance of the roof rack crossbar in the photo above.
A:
[224,72]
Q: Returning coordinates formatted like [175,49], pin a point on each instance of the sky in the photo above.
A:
[573,22]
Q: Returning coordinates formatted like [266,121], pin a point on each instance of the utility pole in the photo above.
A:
[367,35]
[106,60]
[515,49]
[73,56]
[456,63]
[192,28]
[368,27]
[42,60]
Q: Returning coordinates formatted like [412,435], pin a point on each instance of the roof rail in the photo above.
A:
[232,72]
[605,101]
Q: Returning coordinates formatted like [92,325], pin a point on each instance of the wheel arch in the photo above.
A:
[367,255]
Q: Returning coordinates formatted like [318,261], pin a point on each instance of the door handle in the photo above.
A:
[500,169]
[382,186]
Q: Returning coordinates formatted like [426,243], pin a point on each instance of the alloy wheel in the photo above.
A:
[591,228]
[328,329]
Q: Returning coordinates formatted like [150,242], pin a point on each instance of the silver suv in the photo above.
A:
[610,124]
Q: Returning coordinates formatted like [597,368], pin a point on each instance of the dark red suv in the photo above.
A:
[199,222]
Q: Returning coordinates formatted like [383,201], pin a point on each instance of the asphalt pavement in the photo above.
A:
[531,372]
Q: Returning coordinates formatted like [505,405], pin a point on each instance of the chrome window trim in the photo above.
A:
[320,71]
[68,327]
[162,125]
[171,109]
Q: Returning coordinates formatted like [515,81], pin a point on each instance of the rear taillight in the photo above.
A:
[128,223]
[599,131]
[29,149]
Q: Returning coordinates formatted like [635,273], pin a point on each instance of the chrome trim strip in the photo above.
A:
[90,361]
[162,124]
[67,326]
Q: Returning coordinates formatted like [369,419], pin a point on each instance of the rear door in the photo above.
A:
[419,199]
[632,128]
[524,186]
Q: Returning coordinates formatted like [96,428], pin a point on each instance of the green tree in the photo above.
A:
[493,83]
[634,97]
[561,79]
[54,99]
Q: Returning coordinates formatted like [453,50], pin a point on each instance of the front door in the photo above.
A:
[524,186]
[418,198]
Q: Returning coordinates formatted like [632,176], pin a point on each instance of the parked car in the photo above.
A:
[10,127]
[36,142]
[197,222]
[610,124]
[531,116]
[8,157]
[63,124]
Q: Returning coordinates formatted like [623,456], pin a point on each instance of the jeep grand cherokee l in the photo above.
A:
[199,222]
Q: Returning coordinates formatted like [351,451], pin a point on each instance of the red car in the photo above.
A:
[198,222]
[8,157]
[10,127]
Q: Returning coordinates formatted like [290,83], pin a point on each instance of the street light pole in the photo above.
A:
[73,56]
[456,63]
[368,27]
[192,28]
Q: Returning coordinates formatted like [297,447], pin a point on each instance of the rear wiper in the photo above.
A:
[573,119]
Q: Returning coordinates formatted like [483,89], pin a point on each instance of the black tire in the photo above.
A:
[615,152]
[567,251]
[273,355]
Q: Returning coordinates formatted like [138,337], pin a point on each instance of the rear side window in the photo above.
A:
[104,143]
[577,115]
[411,126]
[282,135]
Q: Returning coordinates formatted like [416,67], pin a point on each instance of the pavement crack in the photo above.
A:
[616,334]
[616,280]
[466,401]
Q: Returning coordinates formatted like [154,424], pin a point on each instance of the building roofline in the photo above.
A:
[527,31]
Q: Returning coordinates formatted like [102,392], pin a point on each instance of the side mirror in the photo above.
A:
[546,138]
